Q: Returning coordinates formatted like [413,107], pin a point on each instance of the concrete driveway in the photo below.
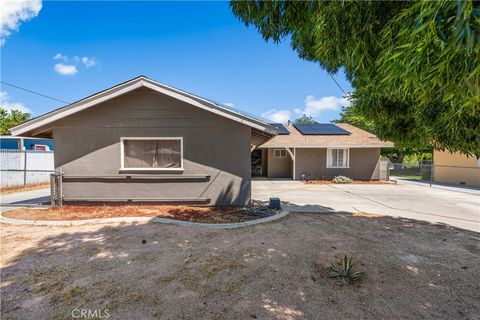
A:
[457,208]
[35,197]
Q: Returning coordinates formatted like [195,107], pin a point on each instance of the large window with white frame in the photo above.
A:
[158,153]
[338,158]
[279,153]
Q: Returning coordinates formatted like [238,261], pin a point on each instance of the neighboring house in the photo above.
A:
[145,141]
[323,151]
[26,143]
[456,168]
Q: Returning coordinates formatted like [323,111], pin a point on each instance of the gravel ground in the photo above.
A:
[278,270]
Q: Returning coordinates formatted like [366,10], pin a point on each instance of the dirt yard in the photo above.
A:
[185,213]
[413,270]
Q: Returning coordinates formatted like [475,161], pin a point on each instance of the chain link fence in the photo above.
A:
[30,187]
[440,174]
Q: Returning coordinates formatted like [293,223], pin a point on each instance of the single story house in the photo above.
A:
[323,151]
[144,141]
[456,168]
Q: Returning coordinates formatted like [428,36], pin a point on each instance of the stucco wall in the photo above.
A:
[313,162]
[455,168]
[278,167]
[88,144]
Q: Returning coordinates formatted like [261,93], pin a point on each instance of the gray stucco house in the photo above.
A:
[144,141]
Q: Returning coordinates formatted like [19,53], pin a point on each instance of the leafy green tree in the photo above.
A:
[414,66]
[352,115]
[304,119]
[11,119]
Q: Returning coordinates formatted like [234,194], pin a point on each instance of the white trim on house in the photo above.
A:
[346,158]
[313,146]
[135,84]
[122,154]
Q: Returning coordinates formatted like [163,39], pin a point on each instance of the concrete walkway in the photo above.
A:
[36,197]
[452,207]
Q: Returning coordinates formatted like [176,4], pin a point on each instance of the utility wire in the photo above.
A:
[34,92]
[338,85]
[63,101]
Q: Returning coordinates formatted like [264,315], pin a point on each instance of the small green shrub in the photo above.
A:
[345,271]
[342,179]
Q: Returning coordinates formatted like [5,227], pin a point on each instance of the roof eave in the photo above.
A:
[312,146]
[131,85]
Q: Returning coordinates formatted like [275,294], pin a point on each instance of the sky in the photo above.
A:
[69,50]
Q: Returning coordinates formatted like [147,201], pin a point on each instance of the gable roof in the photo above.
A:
[136,83]
[357,138]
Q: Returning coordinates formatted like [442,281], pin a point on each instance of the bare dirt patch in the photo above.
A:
[353,182]
[413,270]
[185,213]
[28,187]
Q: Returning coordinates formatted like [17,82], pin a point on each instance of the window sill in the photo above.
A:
[122,170]
[338,167]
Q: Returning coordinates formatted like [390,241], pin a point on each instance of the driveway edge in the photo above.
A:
[283,213]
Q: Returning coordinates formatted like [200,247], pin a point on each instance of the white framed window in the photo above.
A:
[151,153]
[338,158]
[279,153]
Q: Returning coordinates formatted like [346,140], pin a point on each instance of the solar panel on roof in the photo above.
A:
[320,129]
[281,128]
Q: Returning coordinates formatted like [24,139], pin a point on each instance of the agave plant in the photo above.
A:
[344,271]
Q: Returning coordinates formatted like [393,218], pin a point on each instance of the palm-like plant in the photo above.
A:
[344,271]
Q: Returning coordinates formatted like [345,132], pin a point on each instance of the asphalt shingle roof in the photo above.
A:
[358,138]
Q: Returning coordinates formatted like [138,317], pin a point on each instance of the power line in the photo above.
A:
[338,85]
[34,92]
[63,101]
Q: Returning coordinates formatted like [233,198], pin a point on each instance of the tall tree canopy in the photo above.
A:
[11,119]
[304,119]
[414,66]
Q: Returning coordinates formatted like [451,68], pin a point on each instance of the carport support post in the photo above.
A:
[292,154]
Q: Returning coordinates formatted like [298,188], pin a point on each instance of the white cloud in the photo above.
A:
[14,12]
[229,104]
[65,69]
[280,116]
[60,56]
[88,62]
[69,65]
[314,107]
[9,106]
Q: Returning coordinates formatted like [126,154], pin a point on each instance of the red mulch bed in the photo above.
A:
[185,213]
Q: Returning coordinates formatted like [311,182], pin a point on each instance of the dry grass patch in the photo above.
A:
[277,270]
[185,213]
[28,187]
